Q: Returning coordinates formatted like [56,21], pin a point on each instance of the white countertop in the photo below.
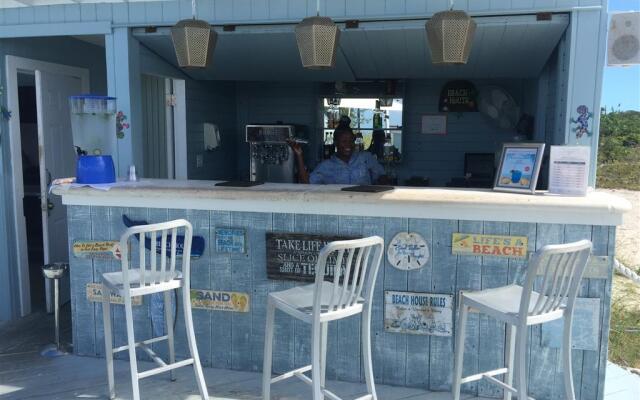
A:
[597,208]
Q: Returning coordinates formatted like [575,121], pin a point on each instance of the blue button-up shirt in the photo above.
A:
[362,169]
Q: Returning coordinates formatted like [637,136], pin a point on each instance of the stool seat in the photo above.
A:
[115,280]
[298,301]
[503,303]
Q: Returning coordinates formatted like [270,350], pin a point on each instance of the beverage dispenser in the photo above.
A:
[93,126]
[271,158]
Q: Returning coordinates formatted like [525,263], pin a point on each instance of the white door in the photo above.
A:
[56,161]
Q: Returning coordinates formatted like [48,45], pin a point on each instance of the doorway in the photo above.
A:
[44,150]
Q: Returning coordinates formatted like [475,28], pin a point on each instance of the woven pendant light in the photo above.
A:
[193,41]
[450,34]
[317,39]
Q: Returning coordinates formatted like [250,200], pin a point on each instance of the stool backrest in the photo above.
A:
[164,241]
[560,267]
[356,267]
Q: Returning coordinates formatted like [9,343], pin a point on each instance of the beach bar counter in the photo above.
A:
[262,239]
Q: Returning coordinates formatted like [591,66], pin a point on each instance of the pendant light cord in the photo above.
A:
[193,9]
[317,8]
[450,5]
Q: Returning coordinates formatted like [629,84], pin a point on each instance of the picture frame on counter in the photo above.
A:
[519,167]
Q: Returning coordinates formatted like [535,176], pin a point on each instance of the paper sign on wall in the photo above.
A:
[489,245]
[219,301]
[97,249]
[569,170]
[230,240]
[418,313]
[94,294]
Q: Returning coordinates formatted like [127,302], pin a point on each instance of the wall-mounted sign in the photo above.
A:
[458,96]
[215,300]
[434,124]
[418,313]
[293,256]
[97,249]
[585,334]
[94,294]
[407,251]
[489,245]
[197,243]
[230,240]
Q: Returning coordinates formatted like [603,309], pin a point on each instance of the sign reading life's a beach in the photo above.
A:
[293,256]
[489,245]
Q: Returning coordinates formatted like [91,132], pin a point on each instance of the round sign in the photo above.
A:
[408,251]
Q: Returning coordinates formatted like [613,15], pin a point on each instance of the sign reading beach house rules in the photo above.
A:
[418,313]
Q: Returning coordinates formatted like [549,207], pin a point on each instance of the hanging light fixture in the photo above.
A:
[317,39]
[450,34]
[193,41]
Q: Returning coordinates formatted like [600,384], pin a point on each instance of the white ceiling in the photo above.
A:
[503,47]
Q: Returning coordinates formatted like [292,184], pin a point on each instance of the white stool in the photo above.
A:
[350,293]
[145,280]
[561,267]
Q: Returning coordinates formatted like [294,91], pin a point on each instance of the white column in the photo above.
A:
[123,80]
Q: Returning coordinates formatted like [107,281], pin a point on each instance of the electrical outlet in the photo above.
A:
[199,160]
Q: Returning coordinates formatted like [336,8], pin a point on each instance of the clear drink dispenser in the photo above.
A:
[93,127]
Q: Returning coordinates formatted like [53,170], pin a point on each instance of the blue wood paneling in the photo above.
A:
[236,340]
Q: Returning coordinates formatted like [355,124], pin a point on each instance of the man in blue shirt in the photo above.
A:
[345,167]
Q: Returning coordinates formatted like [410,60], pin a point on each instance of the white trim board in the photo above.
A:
[14,65]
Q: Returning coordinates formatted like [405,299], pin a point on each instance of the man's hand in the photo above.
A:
[295,146]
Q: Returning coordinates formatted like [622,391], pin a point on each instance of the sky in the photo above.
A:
[621,86]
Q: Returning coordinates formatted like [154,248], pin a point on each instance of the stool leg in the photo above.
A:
[315,362]
[108,340]
[56,310]
[168,317]
[366,352]
[509,351]
[268,352]
[191,339]
[323,353]
[459,348]
[131,342]
[520,361]
[566,357]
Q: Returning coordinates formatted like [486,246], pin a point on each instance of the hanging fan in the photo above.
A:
[499,106]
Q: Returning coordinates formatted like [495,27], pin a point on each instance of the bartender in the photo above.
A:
[345,166]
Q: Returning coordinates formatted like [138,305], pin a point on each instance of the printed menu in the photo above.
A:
[569,170]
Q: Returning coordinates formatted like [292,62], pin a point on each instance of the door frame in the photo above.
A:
[15,65]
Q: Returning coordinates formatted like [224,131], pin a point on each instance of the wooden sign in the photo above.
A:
[418,313]
[214,300]
[489,245]
[94,294]
[458,96]
[97,249]
[230,240]
[293,256]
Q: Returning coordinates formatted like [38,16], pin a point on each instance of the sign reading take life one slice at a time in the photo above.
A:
[489,245]
[215,300]
[293,256]
[418,313]
[97,249]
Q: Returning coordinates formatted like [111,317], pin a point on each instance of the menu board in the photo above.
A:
[569,170]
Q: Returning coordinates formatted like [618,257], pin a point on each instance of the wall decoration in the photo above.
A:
[582,121]
[458,96]
[97,249]
[434,124]
[519,167]
[489,245]
[585,334]
[94,294]
[418,313]
[197,242]
[121,124]
[408,251]
[230,240]
[293,256]
[598,267]
[215,300]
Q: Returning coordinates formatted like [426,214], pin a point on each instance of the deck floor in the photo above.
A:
[24,374]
